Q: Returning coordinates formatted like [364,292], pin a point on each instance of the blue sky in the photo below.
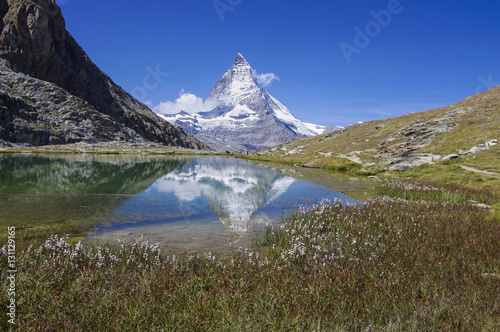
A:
[339,61]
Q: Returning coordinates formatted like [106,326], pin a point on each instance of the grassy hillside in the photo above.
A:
[442,131]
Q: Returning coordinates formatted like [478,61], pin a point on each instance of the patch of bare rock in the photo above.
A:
[416,135]
[404,162]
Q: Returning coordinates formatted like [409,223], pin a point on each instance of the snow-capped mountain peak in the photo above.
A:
[240,60]
[246,117]
[237,84]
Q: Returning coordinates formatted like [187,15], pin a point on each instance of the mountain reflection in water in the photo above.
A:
[234,189]
[188,204]
[209,203]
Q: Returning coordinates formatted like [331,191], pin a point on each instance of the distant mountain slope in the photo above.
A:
[408,140]
[52,93]
[246,117]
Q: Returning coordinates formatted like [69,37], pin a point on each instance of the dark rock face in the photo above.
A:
[52,93]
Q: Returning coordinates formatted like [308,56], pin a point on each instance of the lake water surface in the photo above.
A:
[188,204]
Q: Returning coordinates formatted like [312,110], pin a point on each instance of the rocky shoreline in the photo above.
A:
[113,147]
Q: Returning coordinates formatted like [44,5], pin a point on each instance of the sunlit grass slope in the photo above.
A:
[468,123]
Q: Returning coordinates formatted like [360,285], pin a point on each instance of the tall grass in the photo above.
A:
[389,264]
[435,192]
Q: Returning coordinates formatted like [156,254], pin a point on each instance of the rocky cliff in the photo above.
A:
[52,93]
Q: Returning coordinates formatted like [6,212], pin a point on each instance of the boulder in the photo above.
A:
[492,143]
[451,156]
[400,168]
[413,160]
[473,150]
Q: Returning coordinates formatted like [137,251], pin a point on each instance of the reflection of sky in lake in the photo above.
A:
[206,194]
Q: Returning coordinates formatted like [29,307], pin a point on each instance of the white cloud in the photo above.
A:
[186,102]
[265,79]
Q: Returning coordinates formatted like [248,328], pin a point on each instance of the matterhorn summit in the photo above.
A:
[237,86]
[245,117]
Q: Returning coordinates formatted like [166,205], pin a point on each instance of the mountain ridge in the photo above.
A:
[52,93]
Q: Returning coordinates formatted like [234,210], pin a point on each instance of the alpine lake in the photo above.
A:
[187,204]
